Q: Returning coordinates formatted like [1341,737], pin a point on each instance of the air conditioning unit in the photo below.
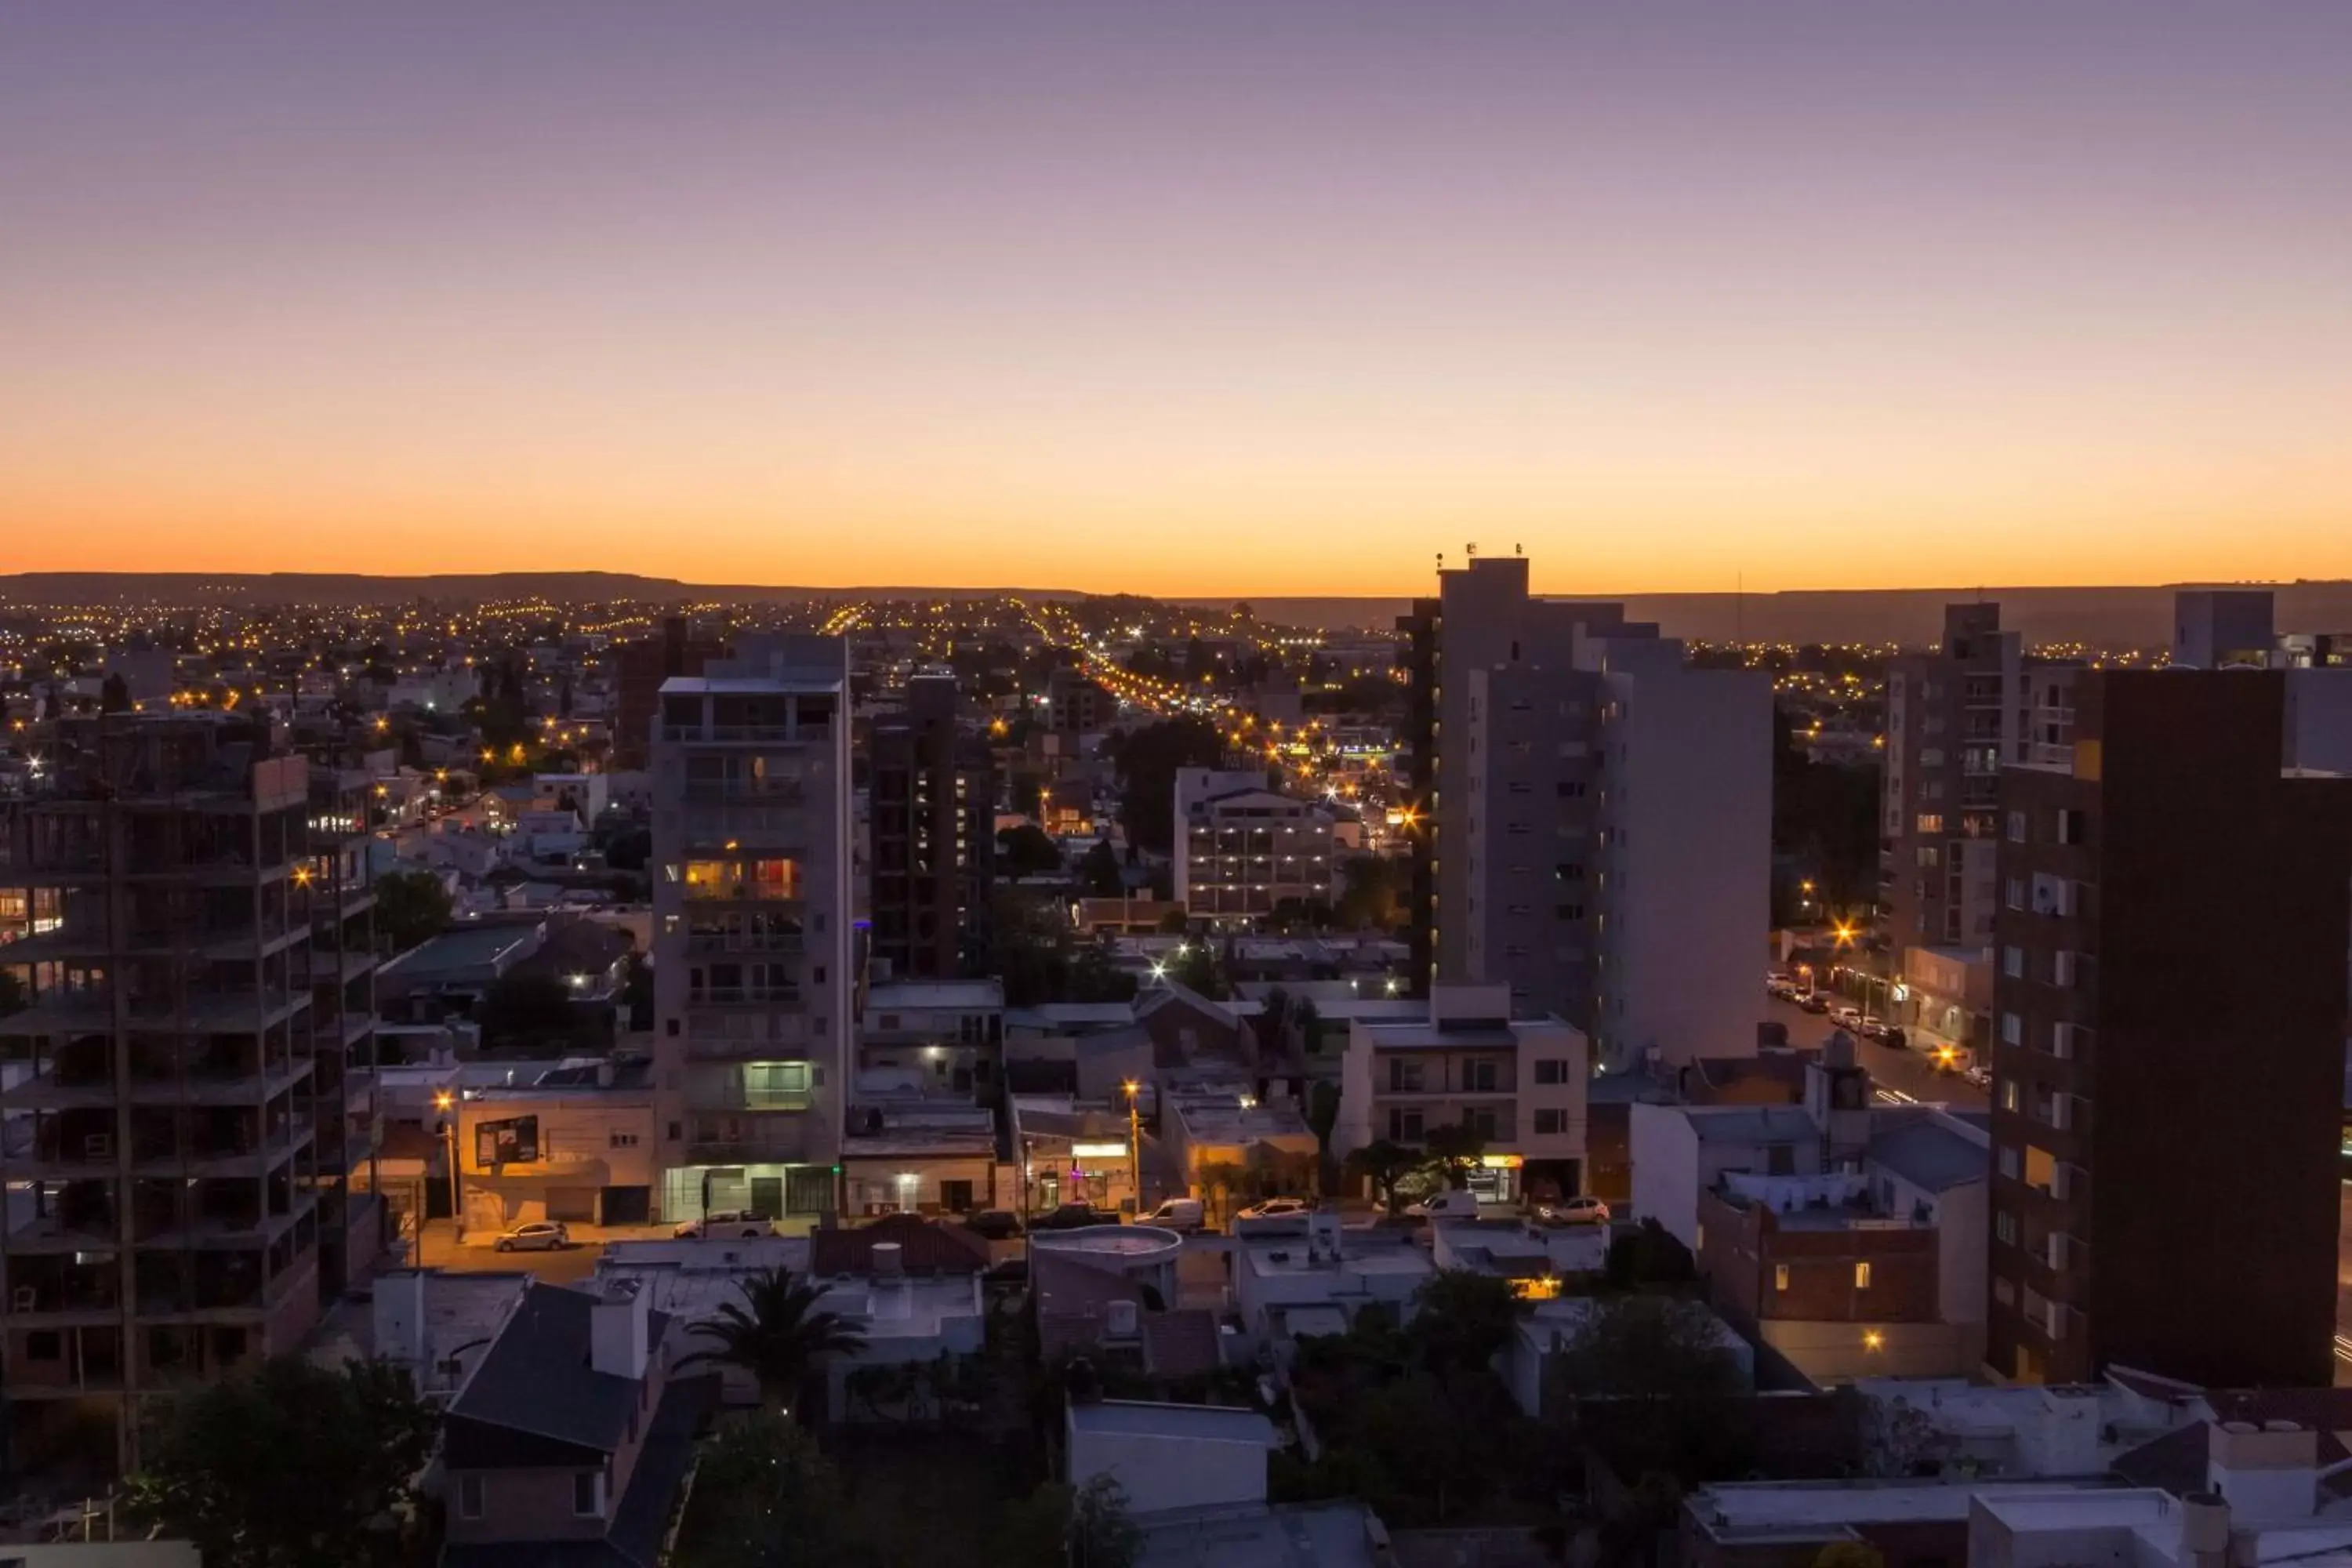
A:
[98,1146]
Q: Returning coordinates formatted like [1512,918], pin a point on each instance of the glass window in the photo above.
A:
[1862,1276]
[469,1497]
[583,1493]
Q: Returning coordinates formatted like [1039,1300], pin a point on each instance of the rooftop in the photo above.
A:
[914,995]
[1750,1123]
[1293,1535]
[1193,1423]
[1932,1156]
[536,1380]
[1804,1510]
[467,947]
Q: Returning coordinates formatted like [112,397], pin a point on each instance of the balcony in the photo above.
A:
[743,996]
[737,1151]
[718,1047]
[750,1100]
[700,944]
[770,793]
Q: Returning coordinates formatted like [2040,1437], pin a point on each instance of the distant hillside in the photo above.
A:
[2139,617]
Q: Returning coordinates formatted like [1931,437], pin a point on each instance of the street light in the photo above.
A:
[443,1101]
[1134,1143]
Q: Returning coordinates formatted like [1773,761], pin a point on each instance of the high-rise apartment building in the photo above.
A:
[2167,1065]
[1590,816]
[932,810]
[1956,716]
[179,1095]
[754,950]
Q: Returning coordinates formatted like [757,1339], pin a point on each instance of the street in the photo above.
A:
[1899,1072]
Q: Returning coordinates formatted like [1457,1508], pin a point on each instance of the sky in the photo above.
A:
[1223,296]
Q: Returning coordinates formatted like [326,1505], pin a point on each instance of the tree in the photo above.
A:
[764,1497]
[778,1333]
[637,991]
[1664,1383]
[114,695]
[1098,872]
[1464,1318]
[290,1466]
[1147,759]
[1057,1527]
[1384,1164]
[1369,894]
[1457,1148]
[1028,851]
[411,906]
[525,1008]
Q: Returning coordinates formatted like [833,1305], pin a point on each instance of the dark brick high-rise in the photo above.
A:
[934,819]
[2169,1042]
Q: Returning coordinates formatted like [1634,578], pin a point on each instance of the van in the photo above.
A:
[1453,1203]
[1177,1214]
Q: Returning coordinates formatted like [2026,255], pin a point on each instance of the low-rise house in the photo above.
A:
[576,1141]
[1537,1259]
[1329,1268]
[571,1441]
[950,1032]
[1205,1125]
[912,1151]
[1520,1083]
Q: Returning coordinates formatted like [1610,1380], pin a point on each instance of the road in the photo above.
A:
[1898,1071]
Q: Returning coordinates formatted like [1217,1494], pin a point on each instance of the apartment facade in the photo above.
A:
[180,1096]
[1589,817]
[1519,1082]
[1244,849]
[932,807]
[753,945]
[2167,1106]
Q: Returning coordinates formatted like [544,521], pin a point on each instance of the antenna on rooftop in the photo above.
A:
[1470,551]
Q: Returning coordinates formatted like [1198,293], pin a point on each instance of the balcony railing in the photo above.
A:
[700,944]
[738,995]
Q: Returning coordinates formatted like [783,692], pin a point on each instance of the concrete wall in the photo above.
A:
[1665,1169]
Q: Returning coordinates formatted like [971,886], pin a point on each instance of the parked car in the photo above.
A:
[1177,1213]
[1573,1210]
[726,1222]
[1276,1208]
[1813,1002]
[1846,1017]
[1978,1074]
[1073,1216]
[996,1224]
[538,1236]
[1453,1203]
[1781,985]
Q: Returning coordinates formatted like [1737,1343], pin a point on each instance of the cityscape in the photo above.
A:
[872,787]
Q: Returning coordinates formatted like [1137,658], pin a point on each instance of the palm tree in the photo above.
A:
[777,1333]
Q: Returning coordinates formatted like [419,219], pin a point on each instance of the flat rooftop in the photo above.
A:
[1196,1422]
[1292,1535]
[915,996]
[1803,1508]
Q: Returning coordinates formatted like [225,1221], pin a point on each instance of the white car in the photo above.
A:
[1275,1208]
[1978,1074]
[538,1236]
[1573,1210]
[726,1222]
[1453,1203]
[1846,1018]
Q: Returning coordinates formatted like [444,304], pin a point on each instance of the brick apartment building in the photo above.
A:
[2169,1053]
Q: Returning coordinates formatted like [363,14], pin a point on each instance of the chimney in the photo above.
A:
[2204,1530]
[890,1260]
[399,1323]
[619,1331]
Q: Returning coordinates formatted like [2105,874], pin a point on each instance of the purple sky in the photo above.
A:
[1204,296]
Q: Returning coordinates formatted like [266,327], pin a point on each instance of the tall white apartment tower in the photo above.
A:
[753,945]
[1593,817]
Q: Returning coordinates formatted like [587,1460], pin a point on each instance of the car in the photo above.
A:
[1893,1034]
[1453,1203]
[1276,1208]
[995,1225]
[1813,1002]
[1978,1074]
[1573,1210]
[726,1222]
[1073,1216]
[1177,1213]
[538,1235]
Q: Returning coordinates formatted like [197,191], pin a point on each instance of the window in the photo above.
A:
[2012,1030]
[622,1141]
[583,1493]
[1779,1276]
[2014,895]
[2017,831]
[469,1497]
[1862,1276]
[1550,1123]
[1931,822]
[2008,1094]
[1479,1078]
[2004,1227]
[2008,1161]
[1551,1070]
[2013,962]
[45,1344]
[1405,1077]
[1404,1126]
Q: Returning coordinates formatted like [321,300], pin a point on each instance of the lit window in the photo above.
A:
[1862,1276]
[1779,1276]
